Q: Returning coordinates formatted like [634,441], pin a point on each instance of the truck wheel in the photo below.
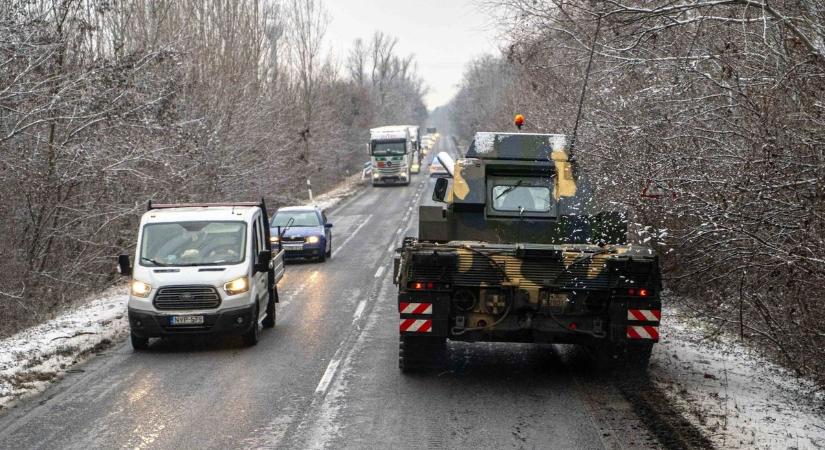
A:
[420,353]
[139,343]
[612,358]
[638,356]
[252,336]
[269,320]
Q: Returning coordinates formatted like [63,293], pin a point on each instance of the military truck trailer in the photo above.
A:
[513,250]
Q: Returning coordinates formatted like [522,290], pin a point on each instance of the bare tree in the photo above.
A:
[717,100]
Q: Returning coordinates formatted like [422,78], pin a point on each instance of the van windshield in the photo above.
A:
[193,244]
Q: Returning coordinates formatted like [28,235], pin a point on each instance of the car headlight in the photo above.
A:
[313,240]
[141,289]
[274,239]
[237,286]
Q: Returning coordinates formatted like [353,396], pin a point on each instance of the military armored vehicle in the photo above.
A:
[512,249]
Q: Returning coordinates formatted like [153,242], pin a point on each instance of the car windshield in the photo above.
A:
[514,197]
[193,243]
[389,148]
[300,219]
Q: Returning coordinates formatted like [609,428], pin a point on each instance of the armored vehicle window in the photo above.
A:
[514,197]
[389,148]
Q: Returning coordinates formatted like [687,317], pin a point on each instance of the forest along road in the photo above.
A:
[327,375]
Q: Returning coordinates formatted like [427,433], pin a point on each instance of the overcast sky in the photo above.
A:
[443,35]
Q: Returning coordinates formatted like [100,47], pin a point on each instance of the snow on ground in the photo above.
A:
[737,398]
[343,190]
[32,358]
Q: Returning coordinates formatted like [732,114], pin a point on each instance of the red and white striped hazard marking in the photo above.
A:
[644,315]
[643,332]
[415,308]
[416,326]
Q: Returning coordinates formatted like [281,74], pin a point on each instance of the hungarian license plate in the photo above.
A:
[293,246]
[186,320]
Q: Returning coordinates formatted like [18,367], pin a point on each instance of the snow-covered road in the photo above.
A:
[327,377]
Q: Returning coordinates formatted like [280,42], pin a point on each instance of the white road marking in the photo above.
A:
[327,377]
[379,272]
[292,295]
[352,235]
[320,427]
[359,310]
[391,248]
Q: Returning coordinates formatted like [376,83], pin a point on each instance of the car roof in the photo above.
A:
[297,208]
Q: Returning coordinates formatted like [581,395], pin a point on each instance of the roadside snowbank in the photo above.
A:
[344,189]
[33,358]
[737,398]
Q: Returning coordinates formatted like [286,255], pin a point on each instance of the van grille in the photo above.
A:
[187,297]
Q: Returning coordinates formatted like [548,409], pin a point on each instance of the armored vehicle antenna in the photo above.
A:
[584,88]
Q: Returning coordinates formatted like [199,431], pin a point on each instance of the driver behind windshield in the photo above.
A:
[193,243]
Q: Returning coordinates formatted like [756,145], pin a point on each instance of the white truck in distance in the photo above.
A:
[415,143]
[202,269]
[390,151]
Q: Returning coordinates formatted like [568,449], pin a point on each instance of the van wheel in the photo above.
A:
[252,336]
[269,320]
[139,343]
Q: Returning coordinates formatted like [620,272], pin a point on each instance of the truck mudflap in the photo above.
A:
[426,314]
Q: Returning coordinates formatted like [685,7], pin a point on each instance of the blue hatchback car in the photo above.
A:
[305,232]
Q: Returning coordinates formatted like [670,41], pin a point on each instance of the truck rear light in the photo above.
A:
[573,326]
[426,285]
[640,292]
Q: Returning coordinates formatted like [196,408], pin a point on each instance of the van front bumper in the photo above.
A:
[149,324]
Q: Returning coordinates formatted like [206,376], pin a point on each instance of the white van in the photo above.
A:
[202,269]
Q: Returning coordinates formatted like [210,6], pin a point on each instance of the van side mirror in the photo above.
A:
[124,266]
[440,190]
[264,261]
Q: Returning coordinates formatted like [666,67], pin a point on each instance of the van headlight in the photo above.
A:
[140,289]
[313,240]
[237,286]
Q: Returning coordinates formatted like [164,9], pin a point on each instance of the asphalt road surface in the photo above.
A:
[327,376]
